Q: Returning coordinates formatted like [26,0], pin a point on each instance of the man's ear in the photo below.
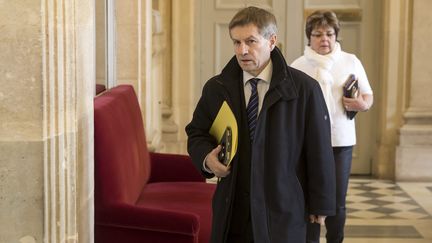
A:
[273,41]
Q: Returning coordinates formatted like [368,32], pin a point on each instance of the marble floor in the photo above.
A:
[382,211]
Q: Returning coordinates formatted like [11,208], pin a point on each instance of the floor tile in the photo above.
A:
[380,211]
[380,231]
[365,214]
[355,198]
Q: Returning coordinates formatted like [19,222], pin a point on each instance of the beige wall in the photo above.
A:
[184,65]
[404,149]
[46,89]
[100,20]
[414,151]
[420,90]
[390,103]
[21,113]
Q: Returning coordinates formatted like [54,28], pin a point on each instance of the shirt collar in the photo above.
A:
[265,74]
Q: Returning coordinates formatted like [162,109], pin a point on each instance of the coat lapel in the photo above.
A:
[232,80]
[282,84]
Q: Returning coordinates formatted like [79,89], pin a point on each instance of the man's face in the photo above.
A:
[252,50]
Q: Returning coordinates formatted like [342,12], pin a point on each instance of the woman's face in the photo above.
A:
[323,39]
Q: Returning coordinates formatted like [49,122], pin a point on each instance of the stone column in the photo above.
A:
[414,153]
[162,66]
[394,74]
[46,115]
[134,62]
[184,66]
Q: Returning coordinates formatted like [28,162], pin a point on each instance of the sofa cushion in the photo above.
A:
[184,197]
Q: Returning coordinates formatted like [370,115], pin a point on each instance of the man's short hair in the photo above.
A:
[261,18]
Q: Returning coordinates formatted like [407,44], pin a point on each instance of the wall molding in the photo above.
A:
[343,14]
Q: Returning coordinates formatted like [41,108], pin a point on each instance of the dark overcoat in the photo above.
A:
[291,163]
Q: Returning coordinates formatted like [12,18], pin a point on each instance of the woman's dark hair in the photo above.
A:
[321,18]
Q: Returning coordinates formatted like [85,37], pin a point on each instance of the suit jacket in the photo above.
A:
[289,167]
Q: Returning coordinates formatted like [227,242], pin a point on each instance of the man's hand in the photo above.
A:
[212,163]
[319,219]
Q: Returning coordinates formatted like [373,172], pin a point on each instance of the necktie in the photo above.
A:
[252,107]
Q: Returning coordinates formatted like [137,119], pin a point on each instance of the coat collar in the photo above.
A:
[231,79]
[281,86]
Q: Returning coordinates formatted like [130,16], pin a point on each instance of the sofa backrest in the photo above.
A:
[122,165]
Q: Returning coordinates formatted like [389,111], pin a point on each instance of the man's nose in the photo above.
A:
[243,49]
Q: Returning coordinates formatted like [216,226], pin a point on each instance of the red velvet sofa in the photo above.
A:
[141,196]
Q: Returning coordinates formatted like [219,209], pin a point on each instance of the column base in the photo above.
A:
[414,154]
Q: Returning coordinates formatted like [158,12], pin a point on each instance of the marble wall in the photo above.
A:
[46,119]
[414,152]
[21,117]
[421,71]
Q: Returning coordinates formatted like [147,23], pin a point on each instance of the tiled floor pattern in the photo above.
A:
[383,212]
[371,199]
[382,231]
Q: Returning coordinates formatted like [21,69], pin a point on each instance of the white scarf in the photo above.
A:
[323,65]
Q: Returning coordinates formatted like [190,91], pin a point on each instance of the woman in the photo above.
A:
[324,60]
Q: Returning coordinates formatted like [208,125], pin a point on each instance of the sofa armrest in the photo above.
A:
[127,216]
[173,167]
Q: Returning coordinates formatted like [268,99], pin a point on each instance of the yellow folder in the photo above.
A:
[225,118]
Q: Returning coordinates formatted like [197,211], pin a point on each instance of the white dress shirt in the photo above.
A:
[262,86]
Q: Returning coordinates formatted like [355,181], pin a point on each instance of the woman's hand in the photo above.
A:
[362,102]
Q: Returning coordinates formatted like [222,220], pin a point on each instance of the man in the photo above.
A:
[283,171]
